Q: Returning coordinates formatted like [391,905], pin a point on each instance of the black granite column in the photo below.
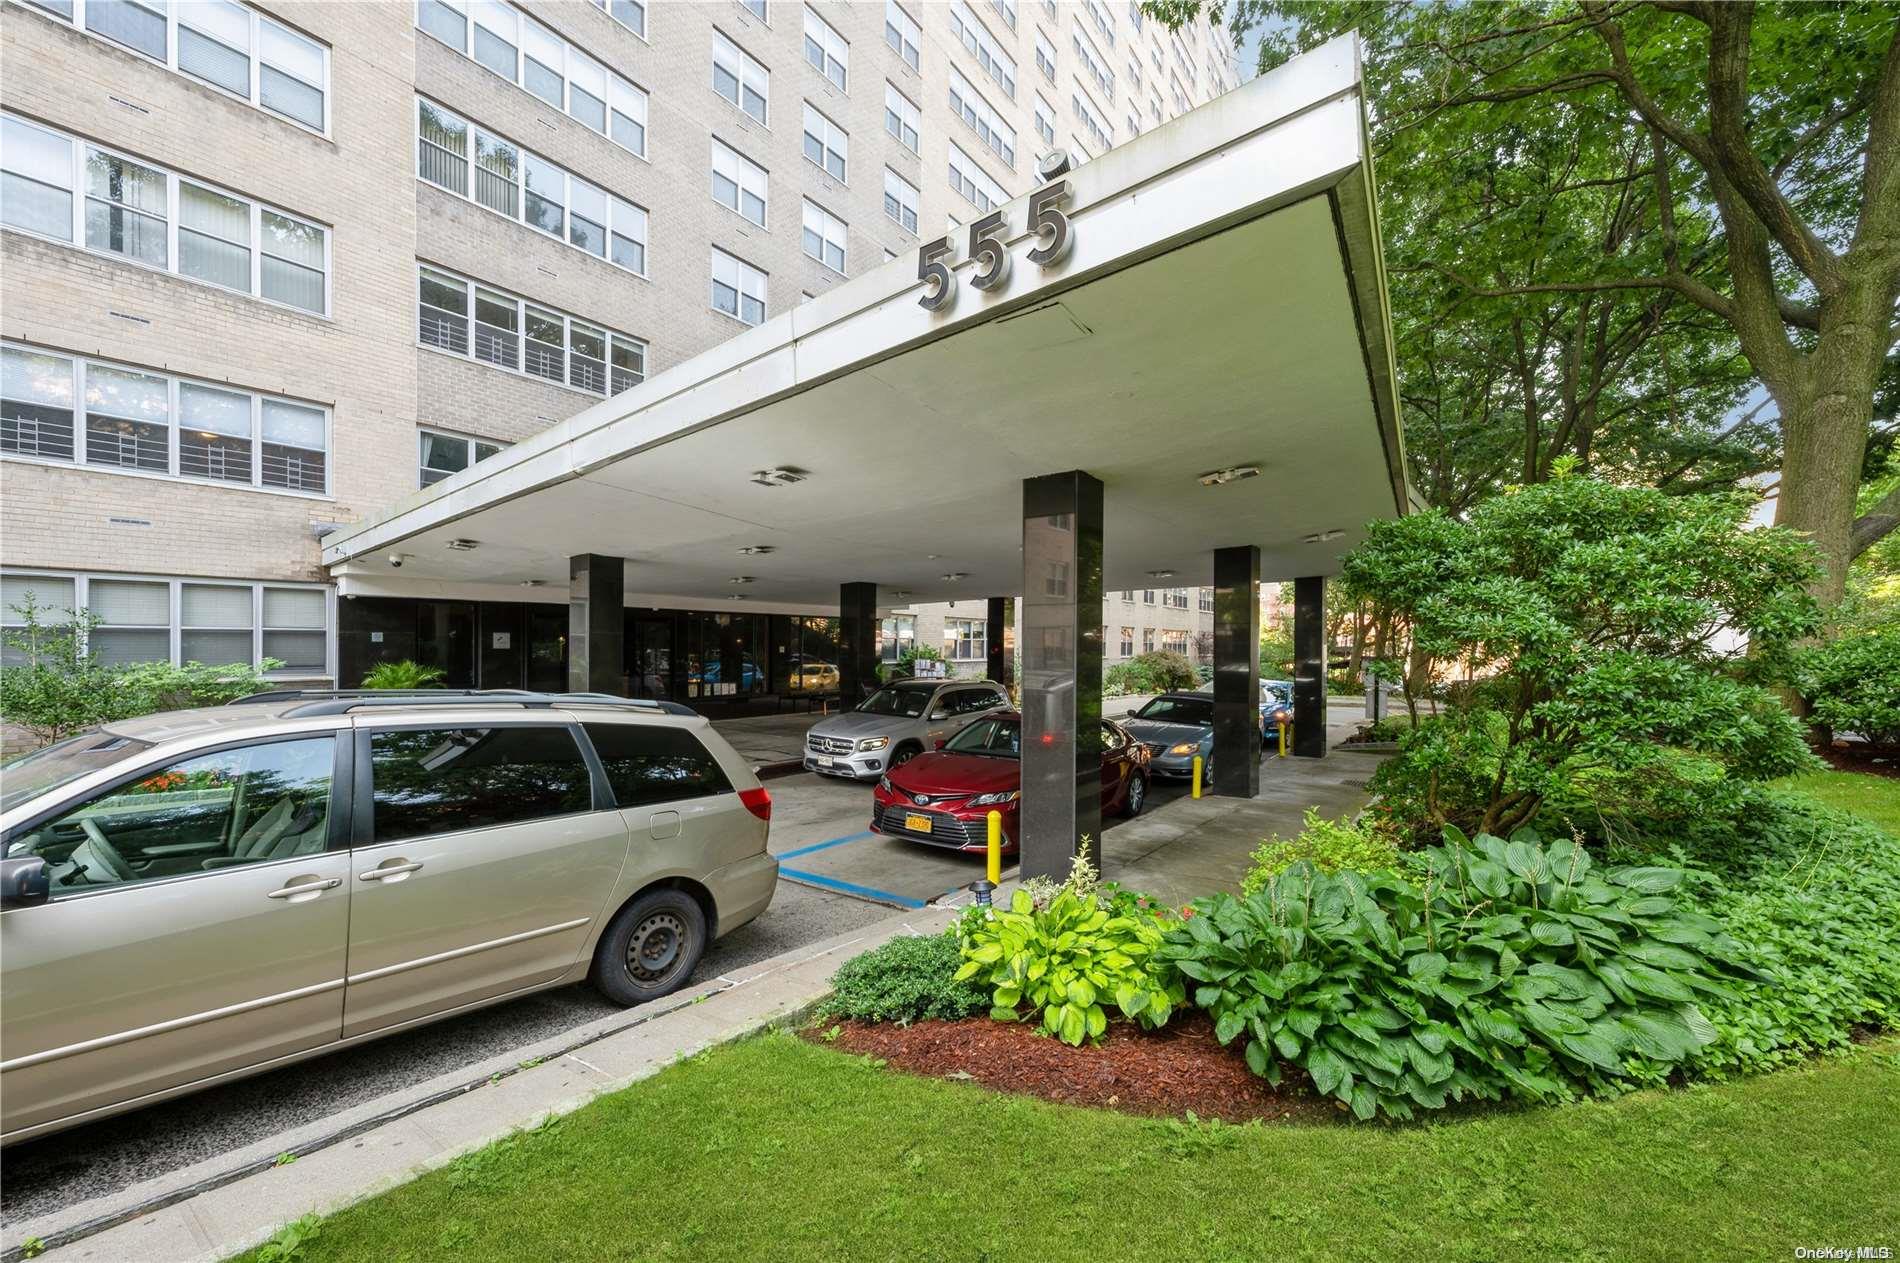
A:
[1000,668]
[857,642]
[1060,635]
[596,624]
[1309,667]
[1237,671]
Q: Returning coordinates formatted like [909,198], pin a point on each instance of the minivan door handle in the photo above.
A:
[398,870]
[306,888]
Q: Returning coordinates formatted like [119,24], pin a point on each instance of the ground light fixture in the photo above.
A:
[1233,473]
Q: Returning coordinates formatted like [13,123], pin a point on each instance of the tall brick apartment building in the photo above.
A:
[271,267]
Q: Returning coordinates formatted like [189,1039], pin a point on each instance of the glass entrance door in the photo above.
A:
[650,656]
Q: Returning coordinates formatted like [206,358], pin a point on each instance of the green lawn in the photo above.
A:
[1875,798]
[775,1149]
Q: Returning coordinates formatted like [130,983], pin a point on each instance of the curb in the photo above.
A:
[223,1206]
[773,771]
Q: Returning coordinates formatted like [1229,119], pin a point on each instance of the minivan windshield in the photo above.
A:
[907,700]
[69,760]
[1178,710]
[997,738]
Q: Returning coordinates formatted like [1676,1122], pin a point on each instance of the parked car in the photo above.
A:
[1175,727]
[944,798]
[816,677]
[1276,706]
[896,724]
[194,896]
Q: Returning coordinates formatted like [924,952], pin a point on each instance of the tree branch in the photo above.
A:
[1874,525]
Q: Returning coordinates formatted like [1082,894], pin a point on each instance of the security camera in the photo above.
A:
[395,560]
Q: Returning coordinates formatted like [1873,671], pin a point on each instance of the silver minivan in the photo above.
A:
[193,896]
[896,724]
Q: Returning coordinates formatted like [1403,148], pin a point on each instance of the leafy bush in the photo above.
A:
[1810,894]
[1329,845]
[1160,671]
[1511,969]
[1591,623]
[58,687]
[909,979]
[1852,684]
[1067,961]
[403,675]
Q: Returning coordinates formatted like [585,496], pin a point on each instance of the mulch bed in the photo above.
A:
[1164,1073]
[1859,757]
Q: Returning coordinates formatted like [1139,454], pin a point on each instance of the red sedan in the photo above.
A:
[944,798]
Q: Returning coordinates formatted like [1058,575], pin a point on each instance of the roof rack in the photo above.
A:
[342,701]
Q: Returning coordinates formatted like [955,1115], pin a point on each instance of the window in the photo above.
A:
[826,50]
[511,333]
[1134,13]
[159,619]
[528,54]
[527,188]
[901,33]
[967,640]
[129,207]
[738,78]
[633,15]
[1007,8]
[1180,97]
[211,811]
[1092,59]
[738,184]
[826,145]
[445,454]
[738,288]
[1175,599]
[1207,599]
[902,119]
[989,54]
[646,763]
[1104,21]
[1147,640]
[1045,120]
[900,200]
[426,781]
[1175,642]
[216,42]
[895,634]
[755,7]
[1128,642]
[823,237]
[1134,125]
[967,178]
[1134,72]
[1092,122]
[984,121]
[1045,57]
[155,423]
[1147,596]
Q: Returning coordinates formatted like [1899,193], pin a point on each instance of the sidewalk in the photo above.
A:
[232,1202]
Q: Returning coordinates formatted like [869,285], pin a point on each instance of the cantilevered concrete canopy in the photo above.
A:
[1223,305]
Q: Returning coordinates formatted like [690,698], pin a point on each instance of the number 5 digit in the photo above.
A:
[933,265]
[1049,224]
[992,259]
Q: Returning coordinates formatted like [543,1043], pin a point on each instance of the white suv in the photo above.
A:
[896,724]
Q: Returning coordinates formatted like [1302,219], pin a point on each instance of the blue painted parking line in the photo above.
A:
[821,846]
[850,888]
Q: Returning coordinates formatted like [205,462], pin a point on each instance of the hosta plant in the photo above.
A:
[1067,961]
[1510,968]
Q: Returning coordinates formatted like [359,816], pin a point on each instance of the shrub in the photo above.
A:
[1329,845]
[1067,961]
[1810,894]
[1511,969]
[403,675]
[1160,671]
[155,686]
[909,979]
[1598,628]
[1852,684]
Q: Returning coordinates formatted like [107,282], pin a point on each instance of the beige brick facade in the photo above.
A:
[363,362]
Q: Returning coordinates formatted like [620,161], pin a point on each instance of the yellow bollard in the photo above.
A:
[1284,729]
[996,849]
[1197,776]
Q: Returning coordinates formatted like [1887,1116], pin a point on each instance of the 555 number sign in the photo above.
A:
[1047,221]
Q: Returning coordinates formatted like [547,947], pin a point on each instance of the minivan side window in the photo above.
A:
[648,763]
[240,806]
[442,780]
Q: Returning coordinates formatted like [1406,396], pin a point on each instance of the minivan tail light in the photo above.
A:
[758,802]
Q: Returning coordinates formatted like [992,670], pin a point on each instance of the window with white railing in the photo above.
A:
[466,318]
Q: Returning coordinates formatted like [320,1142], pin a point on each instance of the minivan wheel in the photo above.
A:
[650,948]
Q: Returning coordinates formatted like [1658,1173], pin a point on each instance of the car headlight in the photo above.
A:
[995,800]
[874,743]
[884,783]
[1186,747]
